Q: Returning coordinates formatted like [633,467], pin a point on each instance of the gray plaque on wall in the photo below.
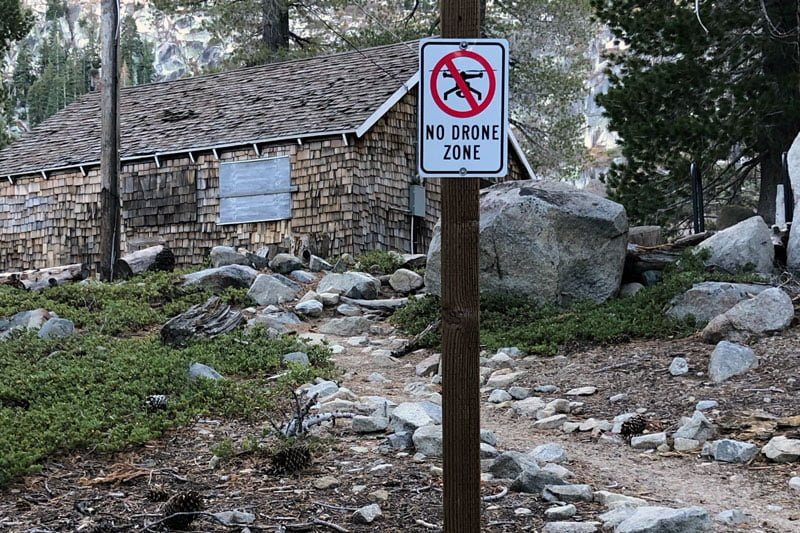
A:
[255,191]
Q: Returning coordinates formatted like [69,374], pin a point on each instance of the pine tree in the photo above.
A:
[715,82]
[136,55]
[15,22]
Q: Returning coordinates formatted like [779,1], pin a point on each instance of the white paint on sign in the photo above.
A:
[463,108]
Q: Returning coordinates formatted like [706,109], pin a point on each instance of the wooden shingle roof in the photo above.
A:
[325,95]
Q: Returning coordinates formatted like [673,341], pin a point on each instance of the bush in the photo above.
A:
[379,261]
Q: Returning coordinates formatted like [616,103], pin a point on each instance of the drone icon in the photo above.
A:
[464,75]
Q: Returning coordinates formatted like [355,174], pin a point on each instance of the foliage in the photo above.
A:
[509,321]
[379,261]
[719,85]
[15,22]
[136,55]
[89,391]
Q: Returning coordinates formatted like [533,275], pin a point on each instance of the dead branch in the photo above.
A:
[416,341]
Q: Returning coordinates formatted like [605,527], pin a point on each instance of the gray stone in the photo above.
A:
[219,279]
[679,366]
[358,285]
[311,308]
[428,366]
[409,416]
[273,289]
[401,440]
[301,276]
[708,299]
[502,379]
[793,247]
[511,464]
[557,470]
[560,513]
[487,451]
[650,441]
[729,359]
[705,405]
[731,517]
[748,243]
[499,396]
[782,450]
[560,405]
[235,518]
[534,480]
[405,281]
[581,391]
[794,483]
[547,241]
[488,437]
[645,235]
[370,424]
[348,326]
[685,445]
[528,407]
[226,255]
[629,289]
[770,310]
[613,499]
[317,264]
[285,263]
[519,393]
[199,370]
[568,493]
[698,427]
[419,388]
[665,520]
[428,440]
[549,453]
[300,358]
[651,277]
[569,527]
[377,377]
[56,328]
[501,360]
[329,299]
[545,389]
[621,397]
[322,389]
[551,422]
[367,514]
[730,451]
[348,310]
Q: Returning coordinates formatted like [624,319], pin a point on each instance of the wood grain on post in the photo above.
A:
[460,320]
[109,156]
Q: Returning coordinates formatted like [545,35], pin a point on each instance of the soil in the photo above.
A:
[89,491]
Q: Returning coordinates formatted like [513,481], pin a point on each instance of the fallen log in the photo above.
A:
[35,280]
[380,305]
[209,319]
[147,260]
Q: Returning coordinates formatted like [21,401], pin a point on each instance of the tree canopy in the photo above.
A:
[716,82]
[15,22]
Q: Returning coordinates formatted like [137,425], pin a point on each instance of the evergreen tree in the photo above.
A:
[136,55]
[24,74]
[715,82]
[15,22]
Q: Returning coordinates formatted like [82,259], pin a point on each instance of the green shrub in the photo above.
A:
[379,261]
[417,315]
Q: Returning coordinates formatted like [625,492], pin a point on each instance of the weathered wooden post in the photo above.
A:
[109,158]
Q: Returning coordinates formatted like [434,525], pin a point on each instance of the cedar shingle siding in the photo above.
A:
[351,193]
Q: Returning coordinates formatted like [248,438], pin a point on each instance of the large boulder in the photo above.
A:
[358,285]
[227,255]
[748,243]
[218,279]
[793,247]
[770,310]
[272,289]
[545,241]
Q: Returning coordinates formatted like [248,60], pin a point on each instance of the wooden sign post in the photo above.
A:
[460,320]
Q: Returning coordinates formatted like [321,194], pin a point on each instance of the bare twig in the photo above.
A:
[494,497]
[307,526]
[697,12]
[427,525]
[336,507]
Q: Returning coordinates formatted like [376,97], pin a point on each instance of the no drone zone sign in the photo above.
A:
[463,108]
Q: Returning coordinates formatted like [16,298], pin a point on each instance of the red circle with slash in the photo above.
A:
[475,107]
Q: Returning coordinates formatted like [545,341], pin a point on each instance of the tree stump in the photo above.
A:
[149,259]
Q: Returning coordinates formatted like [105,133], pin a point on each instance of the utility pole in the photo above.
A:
[109,157]
[460,319]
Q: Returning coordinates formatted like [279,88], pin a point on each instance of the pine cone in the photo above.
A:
[183,502]
[633,427]
[289,460]
[157,493]
[155,402]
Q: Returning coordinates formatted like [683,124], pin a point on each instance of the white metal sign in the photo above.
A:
[463,108]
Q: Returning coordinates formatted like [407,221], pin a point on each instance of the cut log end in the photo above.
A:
[154,258]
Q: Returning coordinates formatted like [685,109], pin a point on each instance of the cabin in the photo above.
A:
[318,151]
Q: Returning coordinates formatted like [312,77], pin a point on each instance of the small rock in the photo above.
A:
[359,340]
[560,513]
[557,470]
[731,517]
[405,281]
[551,422]
[545,389]
[679,367]
[569,527]
[348,310]
[729,359]
[301,276]
[325,482]
[379,495]
[782,450]
[428,366]
[629,289]
[428,440]
[401,440]
[522,511]
[730,451]
[568,493]
[300,358]
[199,370]
[488,437]
[685,445]
[499,396]
[487,451]
[367,514]
[582,391]
[559,406]
[613,499]
[794,483]
[56,328]
[651,441]
[322,389]
[509,465]
[648,519]
[377,377]
[696,428]
[549,453]
[329,299]
[705,405]
[349,326]
[312,308]
[408,416]
[502,379]
[528,407]
[317,264]
[519,393]
[235,518]
[618,398]
[370,424]
[285,263]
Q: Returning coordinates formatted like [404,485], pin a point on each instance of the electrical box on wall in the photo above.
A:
[416,200]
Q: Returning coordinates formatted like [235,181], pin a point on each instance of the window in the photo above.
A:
[255,191]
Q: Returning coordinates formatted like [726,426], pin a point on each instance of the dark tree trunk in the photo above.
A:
[275,24]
